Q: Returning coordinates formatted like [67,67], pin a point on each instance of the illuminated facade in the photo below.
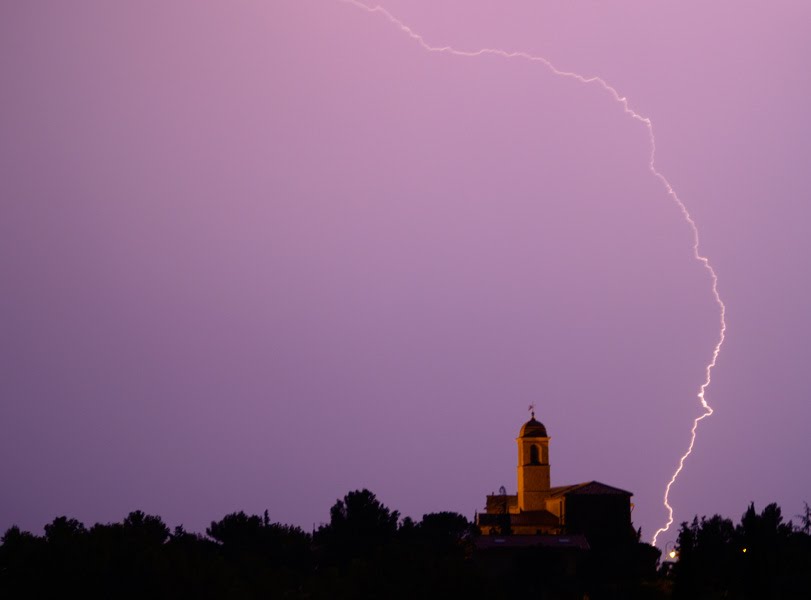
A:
[601,512]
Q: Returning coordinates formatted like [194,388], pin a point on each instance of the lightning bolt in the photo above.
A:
[623,101]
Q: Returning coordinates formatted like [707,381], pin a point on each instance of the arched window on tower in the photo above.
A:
[534,455]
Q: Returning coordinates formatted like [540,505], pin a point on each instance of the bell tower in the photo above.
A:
[533,465]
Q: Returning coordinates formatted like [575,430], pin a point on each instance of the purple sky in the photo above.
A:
[258,254]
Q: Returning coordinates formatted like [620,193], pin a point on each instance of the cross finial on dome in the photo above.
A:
[531,409]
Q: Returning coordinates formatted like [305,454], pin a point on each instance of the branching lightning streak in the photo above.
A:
[651,166]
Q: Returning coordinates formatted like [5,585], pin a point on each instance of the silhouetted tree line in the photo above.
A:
[364,551]
[761,558]
[367,551]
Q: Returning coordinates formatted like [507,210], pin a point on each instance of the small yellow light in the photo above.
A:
[672,554]
[744,550]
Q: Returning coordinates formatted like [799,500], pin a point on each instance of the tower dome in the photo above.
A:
[533,428]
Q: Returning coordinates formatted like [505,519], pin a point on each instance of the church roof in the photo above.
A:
[488,542]
[528,518]
[533,518]
[594,488]
[533,428]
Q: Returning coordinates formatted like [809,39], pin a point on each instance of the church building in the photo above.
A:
[599,512]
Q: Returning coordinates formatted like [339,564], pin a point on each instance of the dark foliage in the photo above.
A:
[761,558]
[359,527]
[366,551]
